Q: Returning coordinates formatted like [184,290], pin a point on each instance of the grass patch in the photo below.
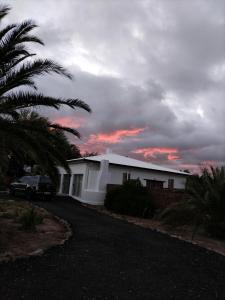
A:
[21,212]
[30,219]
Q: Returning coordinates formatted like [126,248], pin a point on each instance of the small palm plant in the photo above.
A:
[206,204]
[19,96]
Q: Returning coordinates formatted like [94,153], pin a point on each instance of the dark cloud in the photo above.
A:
[153,65]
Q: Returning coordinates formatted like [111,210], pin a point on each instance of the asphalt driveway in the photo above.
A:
[111,259]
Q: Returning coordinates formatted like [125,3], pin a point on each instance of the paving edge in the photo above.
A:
[9,257]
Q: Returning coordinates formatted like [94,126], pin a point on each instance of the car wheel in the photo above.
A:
[12,192]
[29,194]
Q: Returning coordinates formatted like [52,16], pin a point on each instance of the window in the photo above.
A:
[92,179]
[170,184]
[126,177]
[77,184]
[66,183]
[154,184]
[31,180]
[45,179]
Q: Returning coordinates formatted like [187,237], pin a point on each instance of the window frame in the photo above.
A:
[126,176]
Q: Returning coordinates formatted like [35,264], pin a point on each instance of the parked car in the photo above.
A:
[31,186]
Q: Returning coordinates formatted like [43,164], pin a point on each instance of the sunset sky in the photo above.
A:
[152,71]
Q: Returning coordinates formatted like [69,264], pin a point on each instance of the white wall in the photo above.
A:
[90,193]
[76,168]
[96,176]
[116,175]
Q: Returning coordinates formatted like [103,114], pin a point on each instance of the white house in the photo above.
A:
[90,176]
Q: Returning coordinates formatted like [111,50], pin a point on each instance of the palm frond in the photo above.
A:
[67,129]
[22,76]
[22,100]
[17,34]
[37,143]
[5,30]
[23,131]
[4,10]
[73,103]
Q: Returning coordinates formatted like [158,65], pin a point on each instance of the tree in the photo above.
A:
[54,146]
[58,142]
[88,154]
[206,204]
[74,152]
[18,126]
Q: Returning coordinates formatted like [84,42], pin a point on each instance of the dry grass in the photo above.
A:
[15,241]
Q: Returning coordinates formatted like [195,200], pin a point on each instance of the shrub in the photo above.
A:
[29,219]
[2,183]
[206,206]
[178,214]
[130,199]
[216,229]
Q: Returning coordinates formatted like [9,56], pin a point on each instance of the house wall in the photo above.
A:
[93,183]
[96,176]
[78,168]
[116,176]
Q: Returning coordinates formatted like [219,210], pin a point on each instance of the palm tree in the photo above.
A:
[208,199]
[206,204]
[46,146]
[17,124]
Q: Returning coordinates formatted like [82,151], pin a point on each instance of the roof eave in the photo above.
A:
[143,168]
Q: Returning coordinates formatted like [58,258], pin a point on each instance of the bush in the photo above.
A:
[216,229]
[29,219]
[206,205]
[130,199]
[2,183]
[178,214]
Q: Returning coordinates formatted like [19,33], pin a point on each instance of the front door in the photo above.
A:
[77,184]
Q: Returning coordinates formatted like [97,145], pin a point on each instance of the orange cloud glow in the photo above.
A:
[172,153]
[70,122]
[114,136]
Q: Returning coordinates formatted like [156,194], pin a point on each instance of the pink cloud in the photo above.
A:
[73,122]
[172,153]
[114,136]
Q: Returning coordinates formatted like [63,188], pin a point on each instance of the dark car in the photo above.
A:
[31,186]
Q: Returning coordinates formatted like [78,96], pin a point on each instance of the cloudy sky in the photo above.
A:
[153,72]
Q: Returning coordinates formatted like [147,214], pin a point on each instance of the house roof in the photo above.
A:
[127,161]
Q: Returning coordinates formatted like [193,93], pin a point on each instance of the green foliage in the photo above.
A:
[130,199]
[2,183]
[21,129]
[88,154]
[206,206]
[178,214]
[29,219]
[72,152]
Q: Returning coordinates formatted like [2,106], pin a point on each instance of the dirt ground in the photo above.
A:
[183,233]
[17,242]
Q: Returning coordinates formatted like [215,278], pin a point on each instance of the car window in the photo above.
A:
[33,179]
[29,180]
[24,179]
[45,179]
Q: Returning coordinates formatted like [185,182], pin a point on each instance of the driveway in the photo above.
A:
[111,259]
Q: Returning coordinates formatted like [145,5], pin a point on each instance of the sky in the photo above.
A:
[153,72]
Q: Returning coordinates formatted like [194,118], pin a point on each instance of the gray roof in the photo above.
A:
[127,161]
